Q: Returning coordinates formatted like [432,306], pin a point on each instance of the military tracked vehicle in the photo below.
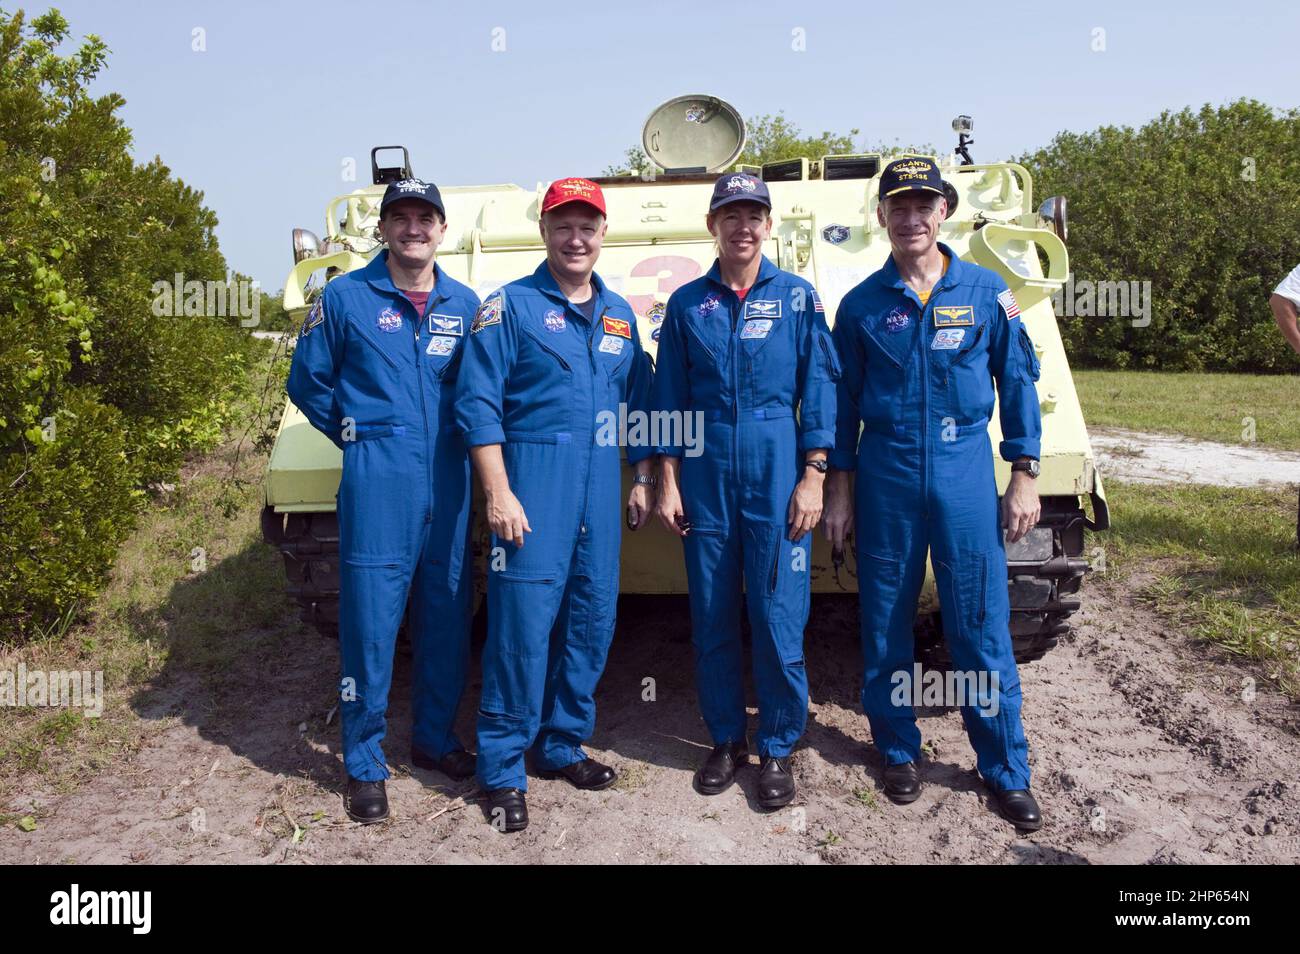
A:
[824,229]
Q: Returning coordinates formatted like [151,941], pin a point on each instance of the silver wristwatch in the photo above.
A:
[646,479]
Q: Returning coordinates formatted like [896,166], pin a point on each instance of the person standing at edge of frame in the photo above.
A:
[921,343]
[549,357]
[1285,302]
[746,348]
[374,370]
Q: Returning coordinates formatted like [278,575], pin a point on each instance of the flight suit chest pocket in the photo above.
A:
[966,368]
[443,337]
[883,385]
[703,346]
[613,353]
[370,345]
[544,356]
[761,320]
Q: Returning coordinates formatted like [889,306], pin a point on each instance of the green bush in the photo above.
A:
[1204,206]
[71,502]
[85,233]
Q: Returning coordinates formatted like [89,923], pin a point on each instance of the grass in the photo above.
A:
[1212,407]
[158,615]
[1220,563]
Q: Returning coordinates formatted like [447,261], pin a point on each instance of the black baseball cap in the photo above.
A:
[412,189]
[739,187]
[912,172]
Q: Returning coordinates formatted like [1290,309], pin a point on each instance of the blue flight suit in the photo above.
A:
[921,382]
[378,380]
[542,381]
[761,375]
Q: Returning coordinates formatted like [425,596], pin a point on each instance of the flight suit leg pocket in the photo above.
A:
[967,584]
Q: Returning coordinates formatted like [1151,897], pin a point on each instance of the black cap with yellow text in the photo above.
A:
[912,172]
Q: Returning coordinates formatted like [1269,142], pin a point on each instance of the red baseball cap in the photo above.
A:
[573,190]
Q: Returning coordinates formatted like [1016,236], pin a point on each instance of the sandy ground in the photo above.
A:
[1166,458]
[1144,748]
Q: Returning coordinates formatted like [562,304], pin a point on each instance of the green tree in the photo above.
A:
[1203,205]
[772,138]
[99,395]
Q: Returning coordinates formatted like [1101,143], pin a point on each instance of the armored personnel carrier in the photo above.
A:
[825,229]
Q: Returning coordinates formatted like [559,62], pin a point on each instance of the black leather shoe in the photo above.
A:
[506,809]
[775,782]
[459,764]
[902,782]
[719,769]
[365,802]
[586,774]
[1018,807]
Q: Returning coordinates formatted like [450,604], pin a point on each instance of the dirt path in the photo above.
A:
[1165,458]
[1143,749]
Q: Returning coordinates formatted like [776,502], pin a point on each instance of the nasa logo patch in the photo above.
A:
[897,320]
[389,321]
[709,304]
[554,321]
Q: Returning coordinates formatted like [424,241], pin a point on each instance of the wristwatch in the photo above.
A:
[645,479]
[818,465]
[1029,467]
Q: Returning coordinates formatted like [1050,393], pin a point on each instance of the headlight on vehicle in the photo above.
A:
[1054,216]
[305,245]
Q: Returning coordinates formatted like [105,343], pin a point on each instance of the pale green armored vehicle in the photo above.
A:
[825,229]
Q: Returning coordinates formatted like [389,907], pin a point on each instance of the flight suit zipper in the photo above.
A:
[591,447]
[424,409]
[925,400]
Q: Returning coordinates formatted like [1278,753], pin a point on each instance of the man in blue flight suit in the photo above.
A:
[550,358]
[374,370]
[921,343]
[746,348]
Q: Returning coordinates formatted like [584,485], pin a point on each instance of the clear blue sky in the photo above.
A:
[262,120]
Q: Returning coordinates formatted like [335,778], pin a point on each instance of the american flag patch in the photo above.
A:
[817,303]
[1008,303]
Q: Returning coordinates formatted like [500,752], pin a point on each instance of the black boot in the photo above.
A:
[586,774]
[719,769]
[775,782]
[365,802]
[1018,807]
[458,764]
[902,782]
[506,809]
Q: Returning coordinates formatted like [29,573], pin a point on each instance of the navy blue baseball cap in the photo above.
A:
[739,187]
[912,172]
[412,189]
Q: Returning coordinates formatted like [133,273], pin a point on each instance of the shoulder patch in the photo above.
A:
[489,313]
[1008,302]
[314,317]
